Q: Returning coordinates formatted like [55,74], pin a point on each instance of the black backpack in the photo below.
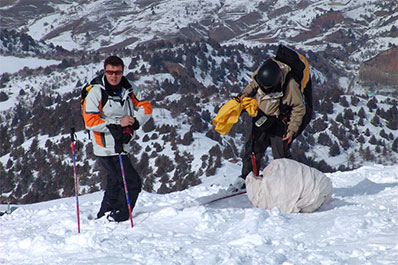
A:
[84,92]
[300,72]
[104,95]
[87,87]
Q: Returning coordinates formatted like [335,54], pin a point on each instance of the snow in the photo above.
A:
[359,226]
[12,64]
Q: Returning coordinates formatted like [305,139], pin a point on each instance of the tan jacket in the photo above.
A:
[269,103]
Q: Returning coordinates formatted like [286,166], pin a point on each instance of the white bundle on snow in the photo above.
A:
[289,185]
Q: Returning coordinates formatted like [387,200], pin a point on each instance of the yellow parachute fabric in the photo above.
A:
[250,105]
[227,116]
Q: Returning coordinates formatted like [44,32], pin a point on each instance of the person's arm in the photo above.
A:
[249,89]
[143,107]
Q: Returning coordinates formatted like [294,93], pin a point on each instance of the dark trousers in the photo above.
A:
[114,196]
[261,139]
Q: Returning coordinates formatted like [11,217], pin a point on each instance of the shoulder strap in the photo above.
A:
[285,109]
[104,97]
[286,83]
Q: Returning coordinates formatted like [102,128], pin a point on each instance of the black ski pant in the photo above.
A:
[261,139]
[114,196]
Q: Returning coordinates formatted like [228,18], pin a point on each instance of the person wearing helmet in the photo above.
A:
[270,127]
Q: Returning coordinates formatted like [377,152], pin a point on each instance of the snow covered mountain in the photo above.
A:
[188,57]
[307,24]
[359,226]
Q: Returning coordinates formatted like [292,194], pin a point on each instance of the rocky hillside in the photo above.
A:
[188,60]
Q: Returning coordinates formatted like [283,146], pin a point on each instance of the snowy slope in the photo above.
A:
[12,64]
[359,226]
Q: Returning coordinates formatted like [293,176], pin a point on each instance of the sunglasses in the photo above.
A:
[110,72]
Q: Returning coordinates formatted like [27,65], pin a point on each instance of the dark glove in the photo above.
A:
[117,133]
[127,134]
[136,125]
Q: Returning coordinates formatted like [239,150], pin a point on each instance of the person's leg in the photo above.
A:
[280,148]
[133,183]
[111,199]
[133,180]
[258,144]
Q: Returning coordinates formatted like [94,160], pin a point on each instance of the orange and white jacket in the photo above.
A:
[97,115]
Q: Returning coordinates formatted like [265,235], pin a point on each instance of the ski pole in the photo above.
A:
[254,164]
[253,156]
[225,197]
[125,189]
[72,137]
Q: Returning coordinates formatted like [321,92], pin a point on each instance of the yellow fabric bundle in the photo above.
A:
[227,116]
[229,113]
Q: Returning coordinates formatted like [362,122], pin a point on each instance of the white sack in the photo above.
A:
[291,186]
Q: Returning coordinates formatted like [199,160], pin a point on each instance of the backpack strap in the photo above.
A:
[104,95]
[283,108]
[287,80]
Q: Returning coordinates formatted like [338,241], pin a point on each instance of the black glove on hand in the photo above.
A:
[122,135]
[127,134]
[136,125]
[117,133]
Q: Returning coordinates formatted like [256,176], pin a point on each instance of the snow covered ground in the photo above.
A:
[359,226]
[12,64]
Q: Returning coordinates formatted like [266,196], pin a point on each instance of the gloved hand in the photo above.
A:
[128,131]
[127,134]
[135,126]
[250,105]
[117,133]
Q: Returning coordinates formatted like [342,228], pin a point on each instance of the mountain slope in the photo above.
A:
[358,27]
[186,91]
[188,57]
[357,226]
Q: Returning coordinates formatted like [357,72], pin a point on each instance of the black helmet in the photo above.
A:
[269,74]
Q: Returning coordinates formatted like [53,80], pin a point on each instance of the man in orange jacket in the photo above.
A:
[112,111]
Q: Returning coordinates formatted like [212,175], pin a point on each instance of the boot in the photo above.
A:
[118,216]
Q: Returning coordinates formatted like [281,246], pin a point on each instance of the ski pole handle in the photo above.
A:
[72,135]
